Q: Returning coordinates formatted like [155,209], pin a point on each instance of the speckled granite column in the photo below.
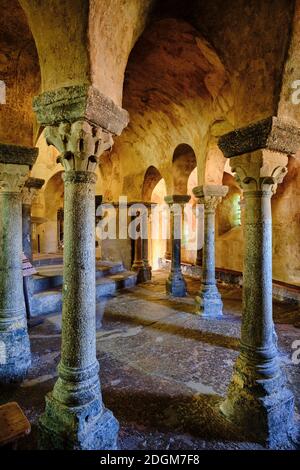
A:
[209,303]
[15,357]
[175,284]
[138,263]
[258,401]
[75,417]
[145,248]
[80,122]
[29,192]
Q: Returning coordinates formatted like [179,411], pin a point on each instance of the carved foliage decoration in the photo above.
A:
[12,177]
[80,144]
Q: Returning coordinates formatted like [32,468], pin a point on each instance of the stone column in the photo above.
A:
[145,246]
[209,303]
[75,416]
[29,192]
[199,235]
[138,263]
[15,357]
[175,284]
[258,400]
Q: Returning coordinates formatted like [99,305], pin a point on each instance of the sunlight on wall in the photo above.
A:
[158,247]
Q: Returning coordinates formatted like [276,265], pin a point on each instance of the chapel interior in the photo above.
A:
[181,117]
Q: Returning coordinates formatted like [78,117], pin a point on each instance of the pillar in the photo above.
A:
[258,401]
[139,265]
[175,284]
[145,246]
[75,416]
[15,357]
[199,234]
[29,192]
[209,303]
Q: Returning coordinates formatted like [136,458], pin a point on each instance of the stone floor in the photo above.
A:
[164,370]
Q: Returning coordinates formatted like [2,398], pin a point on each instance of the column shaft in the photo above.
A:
[258,400]
[89,425]
[208,276]
[15,356]
[175,283]
[145,253]
[208,302]
[26,230]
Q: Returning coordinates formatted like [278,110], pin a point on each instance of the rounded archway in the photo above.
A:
[151,179]
[20,75]
[158,244]
[51,232]
[183,163]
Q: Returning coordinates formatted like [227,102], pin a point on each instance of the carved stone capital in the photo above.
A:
[210,195]
[80,144]
[262,170]
[177,199]
[80,103]
[272,134]
[28,195]
[31,190]
[12,177]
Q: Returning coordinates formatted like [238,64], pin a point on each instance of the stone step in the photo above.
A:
[50,300]
[50,277]
[47,260]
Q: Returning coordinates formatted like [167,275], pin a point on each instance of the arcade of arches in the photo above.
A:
[187,110]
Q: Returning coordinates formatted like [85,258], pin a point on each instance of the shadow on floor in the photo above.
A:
[196,334]
[197,415]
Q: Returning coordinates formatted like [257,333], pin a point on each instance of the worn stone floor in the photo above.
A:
[164,370]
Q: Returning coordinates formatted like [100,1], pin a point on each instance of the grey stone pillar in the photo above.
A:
[199,234]
[145,246]
[258,400]
[75,416]
[175,284]
[139,243]
[29,192]
[209,303]
[15,357]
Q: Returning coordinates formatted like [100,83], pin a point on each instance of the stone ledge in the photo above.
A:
[34,183]
[81,102]
[208,190]
[177,199]
[18,155]
[272,133]
[281,291]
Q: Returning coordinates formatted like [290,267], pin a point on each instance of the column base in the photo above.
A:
[209,303]
[262,409]
[15,356]
[176,285]
[87,427]
[142,273]
[148,270]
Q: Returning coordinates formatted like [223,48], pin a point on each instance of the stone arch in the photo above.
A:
[214,165]
[151,179]
[229,210]
[183,163]
[20,72]
[53,203]
[158,245]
